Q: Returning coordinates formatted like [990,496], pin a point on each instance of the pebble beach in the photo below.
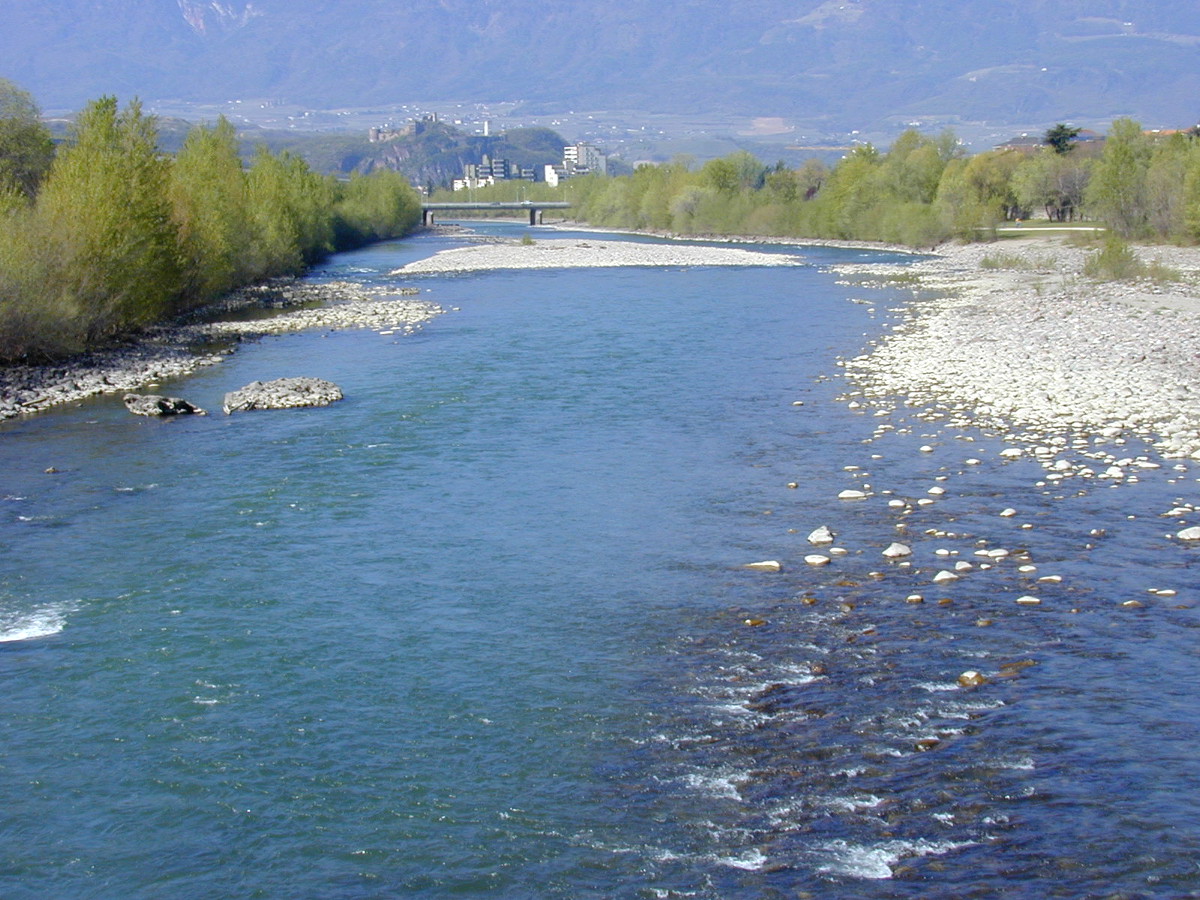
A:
[172,351]
[1016,339]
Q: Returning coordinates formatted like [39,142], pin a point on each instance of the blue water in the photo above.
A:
[480,628]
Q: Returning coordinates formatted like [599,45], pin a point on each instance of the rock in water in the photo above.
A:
[1189,534]
[158,405]
[282,393]
[822,535]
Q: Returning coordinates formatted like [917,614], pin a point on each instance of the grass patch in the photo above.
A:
[1015,261]
[1116,261]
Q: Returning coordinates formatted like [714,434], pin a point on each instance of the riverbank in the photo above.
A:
[1021,342]
[172,351]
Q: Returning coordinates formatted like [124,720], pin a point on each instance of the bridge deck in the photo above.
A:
[533,207]
[500,204]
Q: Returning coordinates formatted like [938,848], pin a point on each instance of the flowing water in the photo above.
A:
[483,628]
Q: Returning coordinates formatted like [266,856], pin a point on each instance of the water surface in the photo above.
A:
[480,629]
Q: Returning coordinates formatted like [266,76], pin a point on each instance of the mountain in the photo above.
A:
[843,63]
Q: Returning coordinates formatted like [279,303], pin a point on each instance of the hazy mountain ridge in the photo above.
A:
[842,61]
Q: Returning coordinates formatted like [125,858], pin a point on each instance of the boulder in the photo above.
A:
[158,405]
[282,393]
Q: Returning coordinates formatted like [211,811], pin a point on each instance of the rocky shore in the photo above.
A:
[175,350]
[1020,341]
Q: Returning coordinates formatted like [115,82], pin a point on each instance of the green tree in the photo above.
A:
[26,149]
[1061,138]
[1117,191]
[105,218]
[1166,177]
[211,210]
[291,208]
[1055,182]
[376,206]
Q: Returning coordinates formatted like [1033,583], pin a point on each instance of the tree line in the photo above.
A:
[106,234]
[923,190]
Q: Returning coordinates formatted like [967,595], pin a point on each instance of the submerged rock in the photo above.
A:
[282,393]
[158,405]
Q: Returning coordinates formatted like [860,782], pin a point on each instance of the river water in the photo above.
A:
[483,628]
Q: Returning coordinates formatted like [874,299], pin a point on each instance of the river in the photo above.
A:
[484,627]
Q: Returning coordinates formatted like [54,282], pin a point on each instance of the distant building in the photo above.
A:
[584,159]
[489,171]
[578,159]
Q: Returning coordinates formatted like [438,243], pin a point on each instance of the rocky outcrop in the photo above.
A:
[282,393]
[158,405]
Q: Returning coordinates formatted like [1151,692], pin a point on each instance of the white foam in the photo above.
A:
[31,625]
[854,804]
[934,687]
[715,785]
[750,861]
[875,863]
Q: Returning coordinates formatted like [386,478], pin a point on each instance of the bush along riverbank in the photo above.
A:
[110,236]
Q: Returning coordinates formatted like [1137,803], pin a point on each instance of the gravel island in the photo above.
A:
[564,253]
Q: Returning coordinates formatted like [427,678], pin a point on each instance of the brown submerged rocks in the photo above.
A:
[282,393]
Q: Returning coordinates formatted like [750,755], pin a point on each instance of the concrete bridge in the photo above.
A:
[533,207]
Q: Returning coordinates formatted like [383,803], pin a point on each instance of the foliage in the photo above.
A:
[1114,261]
[1060,138]
[105,217]
[26,149]
[1116,192]
[211,208]
[120,235]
